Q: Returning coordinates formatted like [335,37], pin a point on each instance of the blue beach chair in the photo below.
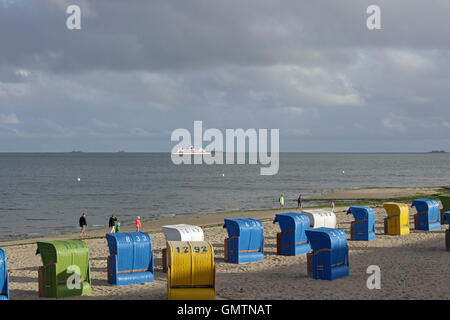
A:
[292,240]
[4,279]
[131,258]
[245,242]
[329,257]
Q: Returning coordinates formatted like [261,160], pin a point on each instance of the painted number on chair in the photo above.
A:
[202,249]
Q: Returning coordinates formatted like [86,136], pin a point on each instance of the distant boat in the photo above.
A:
[77,151]
[121,151]
[191,150]
[438,151]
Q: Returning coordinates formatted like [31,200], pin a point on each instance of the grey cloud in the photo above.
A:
[188,35]
[139,69]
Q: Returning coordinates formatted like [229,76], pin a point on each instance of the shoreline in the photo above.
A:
[344,197]
[383,193]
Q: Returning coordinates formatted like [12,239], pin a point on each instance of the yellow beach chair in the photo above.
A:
[191,272]
[397,221]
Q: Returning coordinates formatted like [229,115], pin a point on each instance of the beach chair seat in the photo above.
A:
[363,228]
[191,273]
[4,278]
[428,215]
[131,258]
[62,260]
[329,257]
[292,240]
[397,221]
[245,242]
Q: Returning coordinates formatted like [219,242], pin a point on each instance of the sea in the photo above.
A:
[44,194]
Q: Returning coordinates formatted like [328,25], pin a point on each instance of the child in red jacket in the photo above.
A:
[138,223]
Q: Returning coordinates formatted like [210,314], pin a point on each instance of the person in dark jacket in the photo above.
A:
[112,223]
[83,224]
[300,202]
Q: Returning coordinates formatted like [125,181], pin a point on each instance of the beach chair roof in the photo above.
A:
[425,204]
[133,250]
[182,232]
[64,252]
[242,226]
[328,238]
[291,221]
[394,208]
[361,213]
[138,242]
[321,218]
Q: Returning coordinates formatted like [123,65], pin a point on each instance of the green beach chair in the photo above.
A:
[447,232]
[445,200]
[65,271]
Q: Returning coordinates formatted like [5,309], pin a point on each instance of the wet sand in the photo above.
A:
[380,193]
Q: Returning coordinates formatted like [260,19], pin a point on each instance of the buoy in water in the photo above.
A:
[78,179]
[223,174]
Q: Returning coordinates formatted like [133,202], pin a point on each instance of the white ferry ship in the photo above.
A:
[191,150]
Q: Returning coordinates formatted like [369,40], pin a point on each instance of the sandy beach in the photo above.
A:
[414,266]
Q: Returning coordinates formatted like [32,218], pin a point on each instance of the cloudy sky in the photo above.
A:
[138,69]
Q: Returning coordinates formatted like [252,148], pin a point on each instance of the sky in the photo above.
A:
[137,70]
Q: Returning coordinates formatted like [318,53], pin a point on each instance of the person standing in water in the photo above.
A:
[83,224]
[138,223]
[112,223]
[281,200]
[299,202]
[332,205]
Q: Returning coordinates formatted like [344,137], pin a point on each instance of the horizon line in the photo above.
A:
[369,152]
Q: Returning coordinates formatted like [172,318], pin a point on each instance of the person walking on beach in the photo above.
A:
[332,205]
[281,200]
[83,224]
[138,223]
[299,202]
[112,223]
[118,227]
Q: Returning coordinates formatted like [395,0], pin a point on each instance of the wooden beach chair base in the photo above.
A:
[279,243]
[447,240]
[164,259]
[309,263]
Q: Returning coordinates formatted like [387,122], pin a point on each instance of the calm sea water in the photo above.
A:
[40,194]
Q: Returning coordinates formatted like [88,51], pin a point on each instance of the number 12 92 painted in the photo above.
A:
[196,249]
